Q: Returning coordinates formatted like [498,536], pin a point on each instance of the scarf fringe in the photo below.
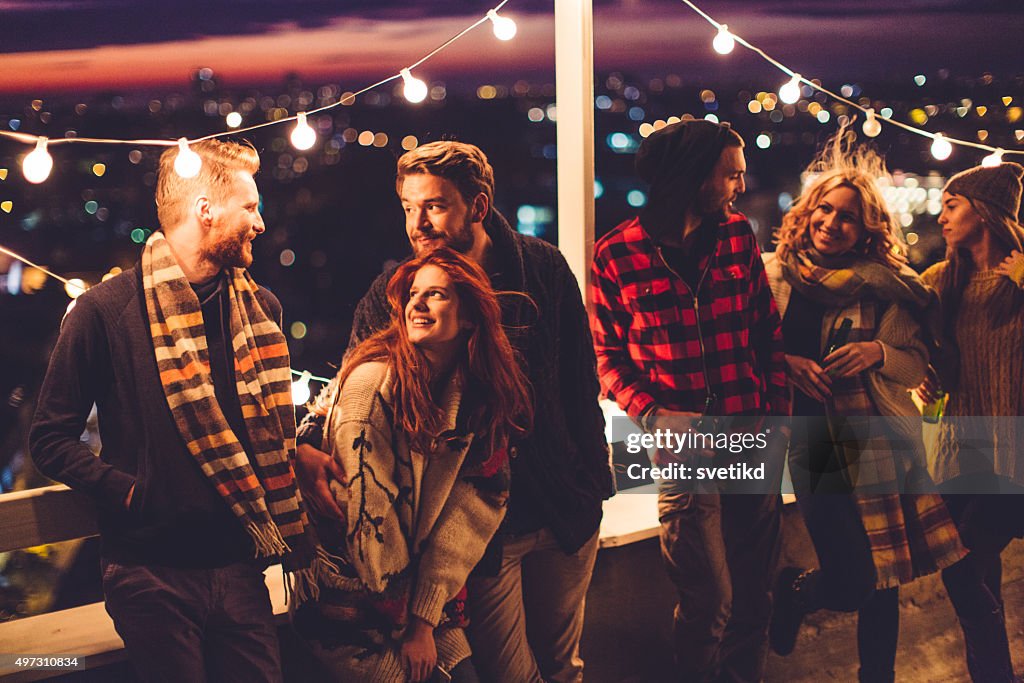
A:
[268,540]
[304,584]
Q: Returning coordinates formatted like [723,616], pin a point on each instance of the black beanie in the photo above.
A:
[675,161]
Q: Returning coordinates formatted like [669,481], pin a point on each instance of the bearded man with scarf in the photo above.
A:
[685,330]
[184,358]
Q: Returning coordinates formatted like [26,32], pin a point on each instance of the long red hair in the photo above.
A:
[487,365]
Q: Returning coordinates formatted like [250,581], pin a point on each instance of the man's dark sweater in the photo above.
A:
[560,473]
[104,355]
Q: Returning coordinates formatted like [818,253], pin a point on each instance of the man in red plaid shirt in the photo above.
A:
[686,334]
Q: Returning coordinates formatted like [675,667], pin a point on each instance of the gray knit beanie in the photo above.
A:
[999,185]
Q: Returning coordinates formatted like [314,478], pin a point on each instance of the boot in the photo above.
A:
[790,606]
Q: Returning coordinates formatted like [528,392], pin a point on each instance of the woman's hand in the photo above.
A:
[809,378]
[1013,267]
[419,653]
[853,358]
[930,388]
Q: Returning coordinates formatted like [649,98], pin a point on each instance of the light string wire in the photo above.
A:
[322,380]
[5,250]
[345,100]
[790,72]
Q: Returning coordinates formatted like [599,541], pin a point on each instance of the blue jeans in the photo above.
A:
[194,624]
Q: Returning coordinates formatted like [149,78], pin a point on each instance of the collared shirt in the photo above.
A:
[661,342]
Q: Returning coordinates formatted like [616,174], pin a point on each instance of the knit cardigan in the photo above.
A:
[416,523]
[990,381]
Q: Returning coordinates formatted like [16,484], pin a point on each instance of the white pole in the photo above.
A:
[574,97]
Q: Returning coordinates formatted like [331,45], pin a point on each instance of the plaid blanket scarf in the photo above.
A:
[261,489]
[910,535]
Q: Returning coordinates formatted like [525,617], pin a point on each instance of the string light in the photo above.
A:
[38,163]
[300,388]
[303,137]
[871,126]
[75,287]
[790,92]
[504,28]
[723,42]
[187,163]
[794,85]
[941,147]
[415,90]
[993,159]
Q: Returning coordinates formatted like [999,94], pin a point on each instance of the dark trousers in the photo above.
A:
[720,551]
[974,584]
[846,581]
[194,624]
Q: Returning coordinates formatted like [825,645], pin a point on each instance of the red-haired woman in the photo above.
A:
[420,427]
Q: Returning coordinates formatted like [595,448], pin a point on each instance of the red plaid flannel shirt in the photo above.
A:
[646,333]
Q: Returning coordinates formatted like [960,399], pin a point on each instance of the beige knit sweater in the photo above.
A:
[991,384]
[406,510]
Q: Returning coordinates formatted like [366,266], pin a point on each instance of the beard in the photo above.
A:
[461,240]
[230,251]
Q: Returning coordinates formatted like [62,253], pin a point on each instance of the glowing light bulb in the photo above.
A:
[504,28]
[415,89]
[234,119]
[941,148]
[37,164]
[723,42]
[75,287]
[303,137]
[790,92]
[300,388]
[993,159]
[187,163]
[871,125]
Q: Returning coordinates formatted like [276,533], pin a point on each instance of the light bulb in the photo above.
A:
[187,163]
[993,159]
[790,92]
[303,137]
[300,388]
[415,89]
[723,42]
[75,287]
[504,28]
[871,125]
[941,149]
[37,164]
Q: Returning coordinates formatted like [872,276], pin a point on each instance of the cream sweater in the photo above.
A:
[991,383]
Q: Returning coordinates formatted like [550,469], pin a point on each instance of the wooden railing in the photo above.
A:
[49,515]
[56,513]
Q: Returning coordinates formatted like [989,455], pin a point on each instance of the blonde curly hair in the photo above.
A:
[841,164]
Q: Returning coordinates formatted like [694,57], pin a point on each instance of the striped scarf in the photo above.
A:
[261,489]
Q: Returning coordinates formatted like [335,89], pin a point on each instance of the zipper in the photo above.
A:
[709,400]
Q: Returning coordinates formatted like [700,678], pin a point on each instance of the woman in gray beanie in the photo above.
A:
[979,459]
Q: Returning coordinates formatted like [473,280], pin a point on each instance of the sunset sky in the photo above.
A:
[49,46]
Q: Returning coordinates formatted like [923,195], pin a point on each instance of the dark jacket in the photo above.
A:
[561,472]
[104,355]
